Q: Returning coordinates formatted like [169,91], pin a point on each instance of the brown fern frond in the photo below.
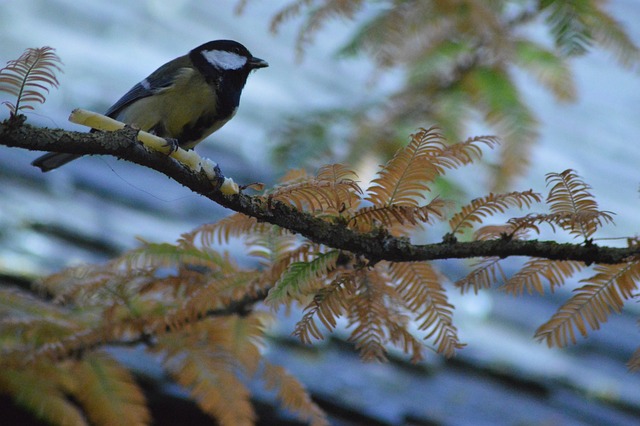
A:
[156,255]
[530,276]
[368,314]
[400,337]
[531,221]
[577,210]
[220,232]
[592,303]
[461,153]
[209,375]
[489,205]
[293,395]
[108,392]
[397,217]
[634,362]
[328,304]
[218,293]
[43,389]
[28,77]
[419,287]
[495,232]
[404,179]
[245,338]
[272,246]
[331,191]
[315,18]
[487,272]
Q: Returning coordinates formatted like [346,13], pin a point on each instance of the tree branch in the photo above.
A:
[375,246]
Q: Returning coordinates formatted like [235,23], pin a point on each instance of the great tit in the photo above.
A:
[185,100]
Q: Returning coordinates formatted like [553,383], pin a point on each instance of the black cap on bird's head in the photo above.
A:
[225,56]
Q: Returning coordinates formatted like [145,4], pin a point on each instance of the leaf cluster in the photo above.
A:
[458,59]
[29,77]
[203,316]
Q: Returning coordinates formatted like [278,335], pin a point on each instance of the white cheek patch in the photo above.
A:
[224,60]
[145,84]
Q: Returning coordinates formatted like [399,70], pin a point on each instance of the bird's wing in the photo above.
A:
[161,78]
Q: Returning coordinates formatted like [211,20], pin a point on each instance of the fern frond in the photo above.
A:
[634,362]
[577,210]
[301,277]
[401,338]
[368,314]
[293,395]
[43,389]
[210,377]
[494,232]
[108,392]
[220,232]
[394,216]
[592,303]
[328,304]
[331,191]
[487,272]
[157,255]
[461,153]
[489,205]
[530,276]
[551,70]
[28,76]
[566,20]
[246,338]
[420,289]
[609,33]
[317,15]
[212,295]
[404,179]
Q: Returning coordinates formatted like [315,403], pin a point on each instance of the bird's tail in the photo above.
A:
[53,160]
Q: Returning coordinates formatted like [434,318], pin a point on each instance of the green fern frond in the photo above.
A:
[566,20]
[301,277]
[27,77]
[592,303]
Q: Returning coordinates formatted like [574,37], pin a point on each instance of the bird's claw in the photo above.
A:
[172,144]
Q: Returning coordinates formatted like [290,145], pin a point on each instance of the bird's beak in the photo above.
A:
[256,63]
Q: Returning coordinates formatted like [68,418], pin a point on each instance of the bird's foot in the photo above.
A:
[172,144]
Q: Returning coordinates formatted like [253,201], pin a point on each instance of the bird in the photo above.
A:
[183,101]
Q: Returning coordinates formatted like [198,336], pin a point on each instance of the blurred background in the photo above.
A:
[332,103]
